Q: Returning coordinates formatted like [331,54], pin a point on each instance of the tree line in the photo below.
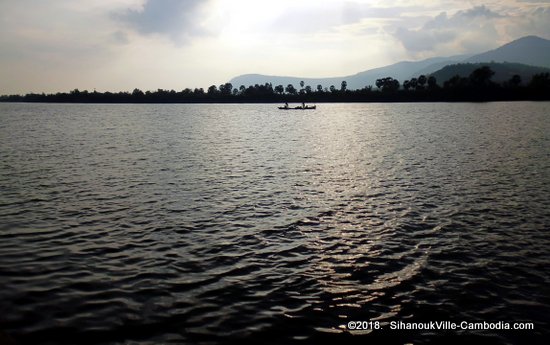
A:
[478,86]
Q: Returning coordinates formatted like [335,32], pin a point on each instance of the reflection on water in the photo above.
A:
[217,223]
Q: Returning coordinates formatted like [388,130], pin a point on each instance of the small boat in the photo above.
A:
[305,107]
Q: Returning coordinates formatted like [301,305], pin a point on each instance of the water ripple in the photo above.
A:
[231,223]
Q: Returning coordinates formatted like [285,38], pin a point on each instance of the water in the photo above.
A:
[230,223]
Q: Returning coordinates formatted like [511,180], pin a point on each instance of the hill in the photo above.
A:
[503,71]
[529,50]
[401,71]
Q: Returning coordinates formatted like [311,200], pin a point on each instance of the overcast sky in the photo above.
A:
[60,45]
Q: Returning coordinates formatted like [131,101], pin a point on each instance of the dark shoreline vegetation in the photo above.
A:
[478,87]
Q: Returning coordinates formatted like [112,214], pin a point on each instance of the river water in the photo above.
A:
[198,224]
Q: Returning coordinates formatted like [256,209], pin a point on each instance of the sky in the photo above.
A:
[118,45]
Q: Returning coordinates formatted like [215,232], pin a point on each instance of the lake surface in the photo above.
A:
[229,223]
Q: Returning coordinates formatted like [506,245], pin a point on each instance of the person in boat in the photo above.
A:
[303,105]
[286,105]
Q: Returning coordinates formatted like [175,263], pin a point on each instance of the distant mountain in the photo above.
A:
[261,79]
[529,50]
[435,67]
[401,71]
[504,71]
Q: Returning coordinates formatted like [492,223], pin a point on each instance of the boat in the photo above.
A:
[305,107]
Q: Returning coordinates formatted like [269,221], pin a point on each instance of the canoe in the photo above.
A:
[299,108]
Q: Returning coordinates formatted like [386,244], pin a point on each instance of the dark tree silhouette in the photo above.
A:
[515,80]
[344,86]
[137,93]
[225,89]
[455,82]
[481,77]
[290,89]
[421,82]
[540,81]
[212,90]
[387,84]
[432,82]
[302,91]
[279,89]
[413,83]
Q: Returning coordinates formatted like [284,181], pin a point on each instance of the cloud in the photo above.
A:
[180,20]
[53,45]
[467,31]
[536,21]
[298,18]
[325,16]
[423,40]
[51,33]
[478,12]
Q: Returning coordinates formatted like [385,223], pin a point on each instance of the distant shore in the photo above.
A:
[478,87]
[523,94]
